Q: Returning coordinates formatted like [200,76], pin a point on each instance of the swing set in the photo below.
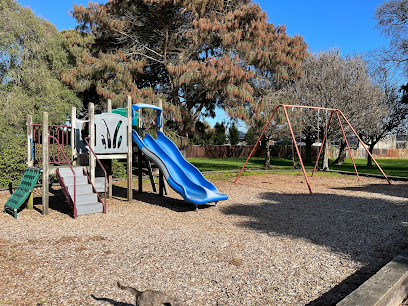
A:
[296,164]
[333,111]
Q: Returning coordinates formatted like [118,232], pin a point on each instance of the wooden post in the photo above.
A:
[140,155]
[161,178]
[73,140]
[92,160]
[30,145]
[30,202]
[46,174]
[109,170]
[109,105]
[129,157]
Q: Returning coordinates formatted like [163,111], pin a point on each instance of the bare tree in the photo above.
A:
[392,20]
[332,81]
[384,113]
[257,116]
[361,89]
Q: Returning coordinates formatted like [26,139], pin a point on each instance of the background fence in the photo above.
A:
[281,151]
[381,153]
[240,151]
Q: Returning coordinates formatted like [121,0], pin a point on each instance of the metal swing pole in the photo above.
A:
[348,147]
[323,141]
[259,139]
[296,165]
[365,148]
[318,125]
[297,150]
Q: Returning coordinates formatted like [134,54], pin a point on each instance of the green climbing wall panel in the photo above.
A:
[123,112]
[23,191]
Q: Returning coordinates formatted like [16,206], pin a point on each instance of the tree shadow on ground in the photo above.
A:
[370,230]
[112,302]
[149,197]
[385,189]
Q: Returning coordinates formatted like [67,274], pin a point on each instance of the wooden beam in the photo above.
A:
[45,175]
[109,105]
[129,157]
[161,177]
[109,170]
[140,155]
[110,179]
[30,145]
[73,142]
[91,128]
[30,202]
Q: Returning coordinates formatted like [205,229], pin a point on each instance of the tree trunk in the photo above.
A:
[325,165]
[185,127]
[184,133]
[369,159]
[267,163]
[342,154]
[308,150]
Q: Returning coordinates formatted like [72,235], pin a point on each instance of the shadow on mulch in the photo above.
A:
[112,302]
[371,231]
[149,197]
[57,201]
[385,189]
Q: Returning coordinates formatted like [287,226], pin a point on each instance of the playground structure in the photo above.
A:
[79,161]
[339,115]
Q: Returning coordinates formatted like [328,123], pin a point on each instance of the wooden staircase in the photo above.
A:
[87,199]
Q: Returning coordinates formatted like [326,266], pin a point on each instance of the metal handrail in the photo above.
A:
[72,169]
[104,171]
[53,130]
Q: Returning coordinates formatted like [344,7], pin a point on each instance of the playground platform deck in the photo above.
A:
[271,243]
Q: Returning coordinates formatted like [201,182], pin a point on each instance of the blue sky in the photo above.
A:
[348,25]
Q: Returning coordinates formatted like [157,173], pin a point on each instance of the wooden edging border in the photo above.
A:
[389,286]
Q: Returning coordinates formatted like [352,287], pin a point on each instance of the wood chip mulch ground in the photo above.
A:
[271,243]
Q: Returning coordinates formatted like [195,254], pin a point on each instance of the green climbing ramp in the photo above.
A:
[23,191]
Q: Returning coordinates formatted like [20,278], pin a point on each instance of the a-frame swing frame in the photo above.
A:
[339,114]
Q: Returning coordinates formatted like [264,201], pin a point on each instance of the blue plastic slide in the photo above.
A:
[192,172]
[182,176]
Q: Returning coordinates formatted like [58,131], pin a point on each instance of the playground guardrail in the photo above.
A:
[60,135]
[64,187]
[104,171]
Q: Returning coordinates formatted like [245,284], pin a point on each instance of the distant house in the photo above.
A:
[242,141]
[401,141]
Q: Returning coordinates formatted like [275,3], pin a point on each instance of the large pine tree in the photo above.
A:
[195,54]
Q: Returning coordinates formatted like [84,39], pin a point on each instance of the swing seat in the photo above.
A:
[296,165]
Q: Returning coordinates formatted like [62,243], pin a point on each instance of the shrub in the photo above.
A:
[13,158]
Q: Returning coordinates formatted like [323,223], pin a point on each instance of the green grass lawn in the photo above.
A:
[391,167]
[225,164]
[233,164]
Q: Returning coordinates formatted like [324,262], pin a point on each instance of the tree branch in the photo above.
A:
[143,46]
